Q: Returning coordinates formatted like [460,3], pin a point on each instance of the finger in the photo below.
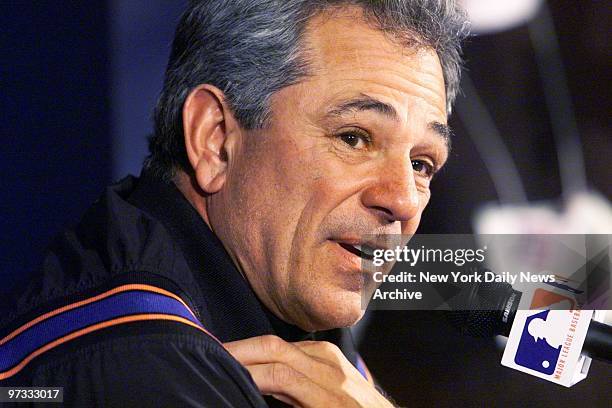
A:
[326,352]
[288,385]
[330,354]
[272,349]
[269,349]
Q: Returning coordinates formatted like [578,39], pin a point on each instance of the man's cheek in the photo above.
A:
[424,197]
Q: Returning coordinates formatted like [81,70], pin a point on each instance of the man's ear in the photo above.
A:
[206,124]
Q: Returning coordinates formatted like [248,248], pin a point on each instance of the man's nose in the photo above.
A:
[394,196]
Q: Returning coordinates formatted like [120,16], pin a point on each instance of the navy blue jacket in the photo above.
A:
[144,232]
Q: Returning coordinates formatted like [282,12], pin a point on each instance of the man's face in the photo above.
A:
[350,152]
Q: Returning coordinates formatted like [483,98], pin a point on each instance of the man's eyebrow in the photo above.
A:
[444,131]
[364,103]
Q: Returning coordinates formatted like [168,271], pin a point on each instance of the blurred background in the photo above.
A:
[79,80]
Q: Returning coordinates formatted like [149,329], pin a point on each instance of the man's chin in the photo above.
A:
[334,314]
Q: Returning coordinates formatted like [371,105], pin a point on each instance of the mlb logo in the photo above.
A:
[540,344]
[547,336]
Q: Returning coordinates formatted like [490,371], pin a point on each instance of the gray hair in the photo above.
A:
[250,49]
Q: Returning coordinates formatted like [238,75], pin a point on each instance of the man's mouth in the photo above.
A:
[362,251]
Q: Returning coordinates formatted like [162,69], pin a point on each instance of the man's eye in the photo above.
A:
[423,168]
[355,140]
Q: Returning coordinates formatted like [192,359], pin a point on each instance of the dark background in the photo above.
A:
[78,81]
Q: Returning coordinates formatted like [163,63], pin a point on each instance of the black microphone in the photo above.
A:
[488,309]
[598,342]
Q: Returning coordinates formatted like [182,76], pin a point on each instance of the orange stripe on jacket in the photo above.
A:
[95,327]
[104,295]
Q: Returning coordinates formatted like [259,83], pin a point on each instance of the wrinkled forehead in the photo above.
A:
[343,50]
